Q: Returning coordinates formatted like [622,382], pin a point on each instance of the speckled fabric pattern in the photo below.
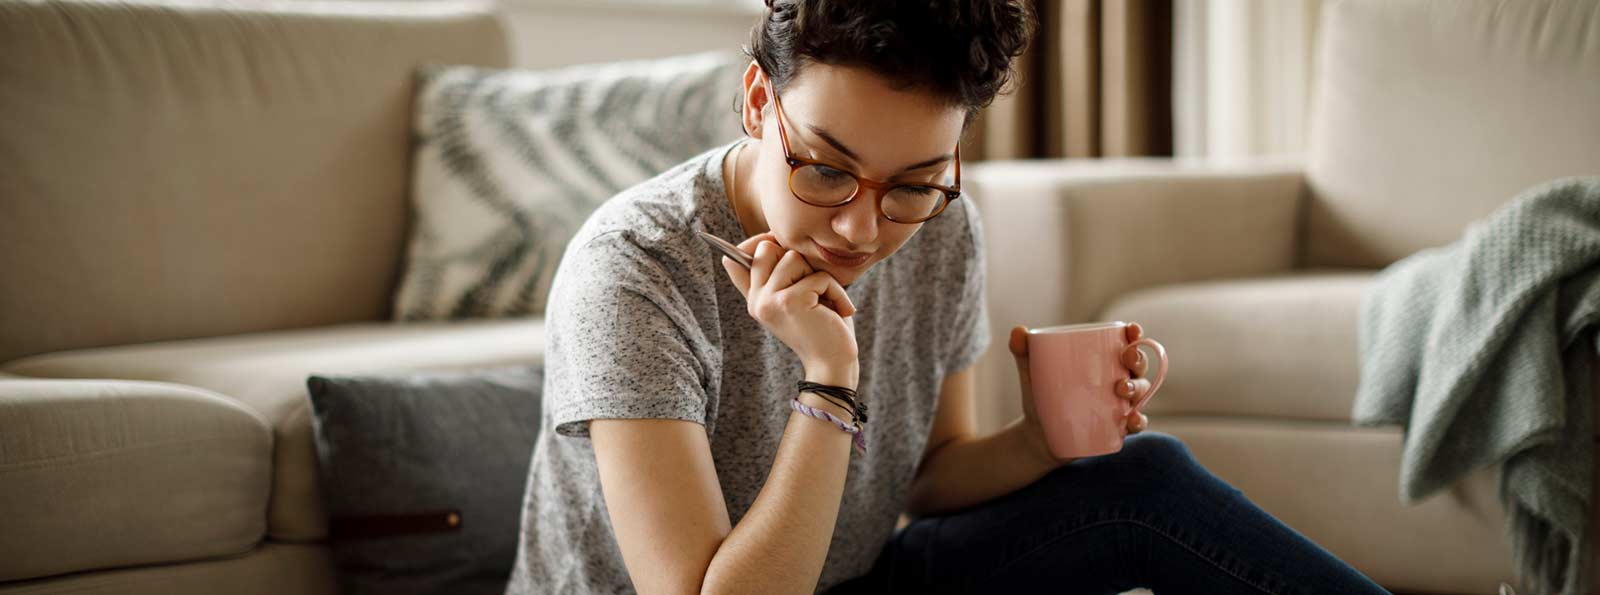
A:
[644,323]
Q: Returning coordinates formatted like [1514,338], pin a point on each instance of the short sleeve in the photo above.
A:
[618,347]
[970,331]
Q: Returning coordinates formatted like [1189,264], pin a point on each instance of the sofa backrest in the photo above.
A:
[185,169]
[1428,115]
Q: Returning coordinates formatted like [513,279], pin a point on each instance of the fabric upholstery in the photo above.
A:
[1096,231]
[1275,347]
[271,569]
[103,99]
[1336,484]
[400,453]
[267,372]
[176,171]
[510,163]
[1430,115]
[1080,234]
[89,469]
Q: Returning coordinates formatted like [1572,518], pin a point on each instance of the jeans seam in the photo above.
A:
[1149,526]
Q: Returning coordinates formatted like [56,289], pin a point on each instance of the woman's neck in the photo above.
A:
[737,174]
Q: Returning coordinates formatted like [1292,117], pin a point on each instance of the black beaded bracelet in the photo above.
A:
[837,394]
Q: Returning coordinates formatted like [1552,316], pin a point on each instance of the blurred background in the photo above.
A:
[207,204]
[1104,78]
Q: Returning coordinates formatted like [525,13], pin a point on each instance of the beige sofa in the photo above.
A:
[1427,116]
[200,206]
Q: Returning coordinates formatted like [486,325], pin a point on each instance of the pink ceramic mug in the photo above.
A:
[1074,371]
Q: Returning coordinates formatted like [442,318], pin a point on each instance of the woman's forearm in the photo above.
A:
[971,471]
[780,544]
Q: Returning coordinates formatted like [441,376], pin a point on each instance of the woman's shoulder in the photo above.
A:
[660,212]
[645,260]
[644,240]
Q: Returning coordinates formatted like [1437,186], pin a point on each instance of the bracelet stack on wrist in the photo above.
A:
[858,437]
[844,398]
[838,395]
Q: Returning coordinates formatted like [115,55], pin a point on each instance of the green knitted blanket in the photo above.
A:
[1481,350]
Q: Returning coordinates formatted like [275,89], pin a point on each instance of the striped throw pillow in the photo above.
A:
[507,164]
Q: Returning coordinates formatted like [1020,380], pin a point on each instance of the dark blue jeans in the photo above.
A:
[1149,516]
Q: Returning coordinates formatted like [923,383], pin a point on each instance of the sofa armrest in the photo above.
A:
[111,473]
[1066,238]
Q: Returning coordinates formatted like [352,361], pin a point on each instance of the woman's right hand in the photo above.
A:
[790,299]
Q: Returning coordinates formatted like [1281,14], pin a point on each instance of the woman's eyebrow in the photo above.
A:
[839,146]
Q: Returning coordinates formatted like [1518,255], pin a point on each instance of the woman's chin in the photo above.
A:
[847,276]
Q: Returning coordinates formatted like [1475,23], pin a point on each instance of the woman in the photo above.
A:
[686,456]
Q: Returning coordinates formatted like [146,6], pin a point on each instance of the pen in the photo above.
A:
[727,248]
[743,259]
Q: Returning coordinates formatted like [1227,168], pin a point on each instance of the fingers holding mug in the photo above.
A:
[1134,332]
[1148,383]
[1134,360]
[1132,389]
[1138,422]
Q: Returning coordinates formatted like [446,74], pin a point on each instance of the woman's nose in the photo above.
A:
[857,222]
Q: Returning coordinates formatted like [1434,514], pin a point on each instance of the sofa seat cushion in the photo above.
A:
[1339,485]
[272,569]
[267,372]
[103,473]
[1281,347]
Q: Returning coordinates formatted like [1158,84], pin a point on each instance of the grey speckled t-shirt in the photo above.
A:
[644,323]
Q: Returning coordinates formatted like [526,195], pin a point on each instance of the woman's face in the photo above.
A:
[851,119]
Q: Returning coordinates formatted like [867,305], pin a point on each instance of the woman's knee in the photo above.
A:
[1144,475]
[1155,450]
[1166,459]
[1156,445]
[1148,454]
[1152,455]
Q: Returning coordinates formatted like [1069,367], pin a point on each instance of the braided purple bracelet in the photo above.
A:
[858,438]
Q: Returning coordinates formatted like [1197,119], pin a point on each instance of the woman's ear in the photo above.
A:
[752,108]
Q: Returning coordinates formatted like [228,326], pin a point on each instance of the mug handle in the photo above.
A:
[1161,372]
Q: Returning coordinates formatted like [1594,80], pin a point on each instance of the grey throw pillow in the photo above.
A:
[507,164]
[423,475]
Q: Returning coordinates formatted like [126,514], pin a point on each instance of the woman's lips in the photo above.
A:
[841,260]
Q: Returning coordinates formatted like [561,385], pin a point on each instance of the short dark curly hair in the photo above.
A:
[958,50]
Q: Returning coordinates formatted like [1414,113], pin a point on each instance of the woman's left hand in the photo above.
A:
[1132,390]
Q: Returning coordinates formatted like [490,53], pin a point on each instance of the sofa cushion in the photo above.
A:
[1281,347]
[1431,115]
[104,473]
[272,569]
[423,475]
[509,163]
[267,372]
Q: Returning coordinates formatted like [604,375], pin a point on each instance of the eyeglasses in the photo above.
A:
[822,185]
